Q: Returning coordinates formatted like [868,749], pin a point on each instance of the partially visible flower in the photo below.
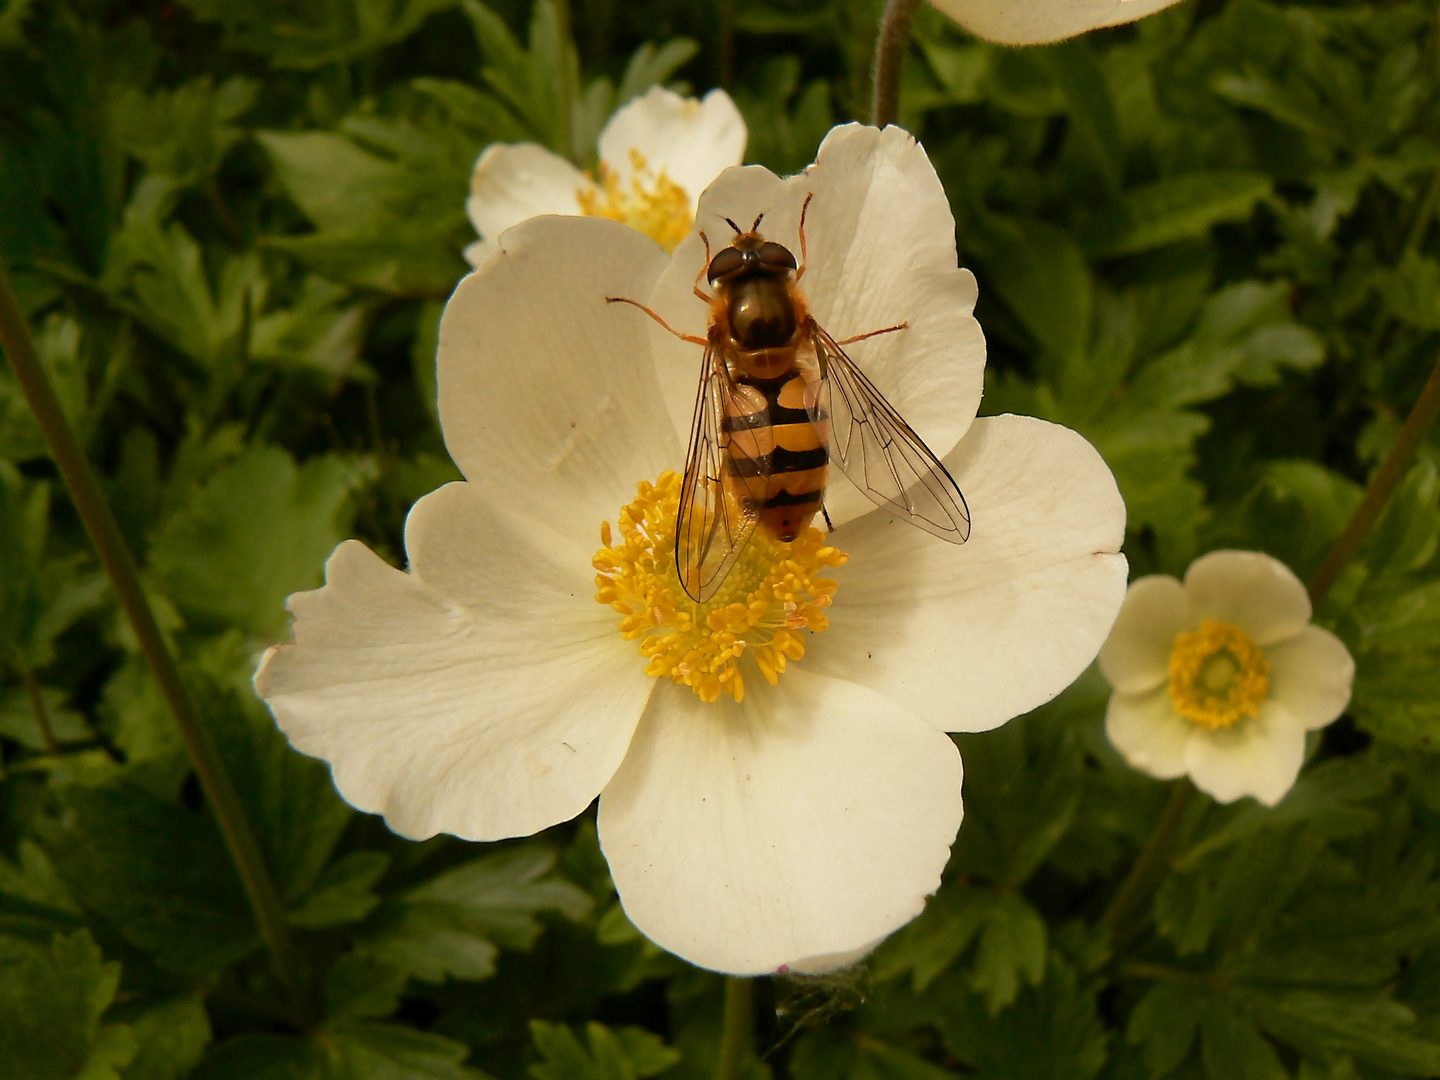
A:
[1039,22]
[1222,676]
[657,154]
[797,821]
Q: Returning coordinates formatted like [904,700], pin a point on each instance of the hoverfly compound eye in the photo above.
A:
[727,263]
[775,256]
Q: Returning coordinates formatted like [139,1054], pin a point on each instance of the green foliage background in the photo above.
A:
[1207,241]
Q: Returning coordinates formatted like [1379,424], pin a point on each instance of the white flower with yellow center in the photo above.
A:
[1221,676]
[485,693]
[1039,22]
[657,154]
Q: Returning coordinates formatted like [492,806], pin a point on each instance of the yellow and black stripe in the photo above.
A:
[776,443]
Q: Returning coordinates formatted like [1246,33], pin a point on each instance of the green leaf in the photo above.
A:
[1026,773]
[259,529]
[1165,1021]
[359,985]
[1233,1049]
[344,892]
[172,1038]
[1052,1032]
[322,330]
[786,123]
[158,872]
[626,1054]
[935,940]
[1330,797]
[157,273]
[1370,1027]
[1093,123]
[305,38]
[52,998]
[289,799]
[1041,274]
[1011,951]
[12,23]
[360,1050]
[451,924]
[1174,209]
[351,1050]
[186,132]
[385,197]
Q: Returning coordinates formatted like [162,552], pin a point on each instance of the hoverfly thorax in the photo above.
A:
[754,278]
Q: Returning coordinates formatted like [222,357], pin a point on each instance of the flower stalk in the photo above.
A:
[890,58]
[1148,869]
[1387,478]
[739,1030]
[120,566]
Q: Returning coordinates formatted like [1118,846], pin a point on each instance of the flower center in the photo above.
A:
[772,593]
[1218,675]
[655,204]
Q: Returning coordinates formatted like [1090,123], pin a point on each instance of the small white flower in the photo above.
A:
[1039,22]
[657,154]
[485,693]
[1222,676]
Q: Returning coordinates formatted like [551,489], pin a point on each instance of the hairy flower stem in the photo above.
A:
[1148,869]
[42,714]
[1387,478]
[736,1039]
[890,58]
[120,566]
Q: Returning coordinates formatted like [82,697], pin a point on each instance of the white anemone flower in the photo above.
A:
[657,154]
[485,693]
[1040,22]
[1221,676]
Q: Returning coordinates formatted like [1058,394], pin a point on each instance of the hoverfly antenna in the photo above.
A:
[758,218]
[738,231]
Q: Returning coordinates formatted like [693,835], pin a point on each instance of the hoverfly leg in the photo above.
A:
[703,267]
[804,209]
[873,333]
[829,525]
[636,303]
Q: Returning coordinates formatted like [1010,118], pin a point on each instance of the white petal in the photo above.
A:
[824,965]
[486,695]
[1136,655]
[1131,10]
[1148,733]
[1310,676]
[880,252]
[516,181]
[1260,757]
[969,636]
[691,141]
[1038,22]
[548,399]
[805,824]
[1248,589]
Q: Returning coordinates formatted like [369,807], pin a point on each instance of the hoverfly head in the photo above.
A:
[750,255]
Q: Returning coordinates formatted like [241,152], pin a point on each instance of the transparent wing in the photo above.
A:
[715,518]
[880,453]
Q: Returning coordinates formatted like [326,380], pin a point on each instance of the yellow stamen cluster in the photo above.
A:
[655,204]
[1218,675]
[772,594]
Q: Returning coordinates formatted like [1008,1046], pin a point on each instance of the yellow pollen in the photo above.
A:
[1218,675]
[772,594]
[655,204]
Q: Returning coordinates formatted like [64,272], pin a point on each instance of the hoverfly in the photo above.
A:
[778,401]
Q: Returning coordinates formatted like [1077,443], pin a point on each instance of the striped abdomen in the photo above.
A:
[775,454]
